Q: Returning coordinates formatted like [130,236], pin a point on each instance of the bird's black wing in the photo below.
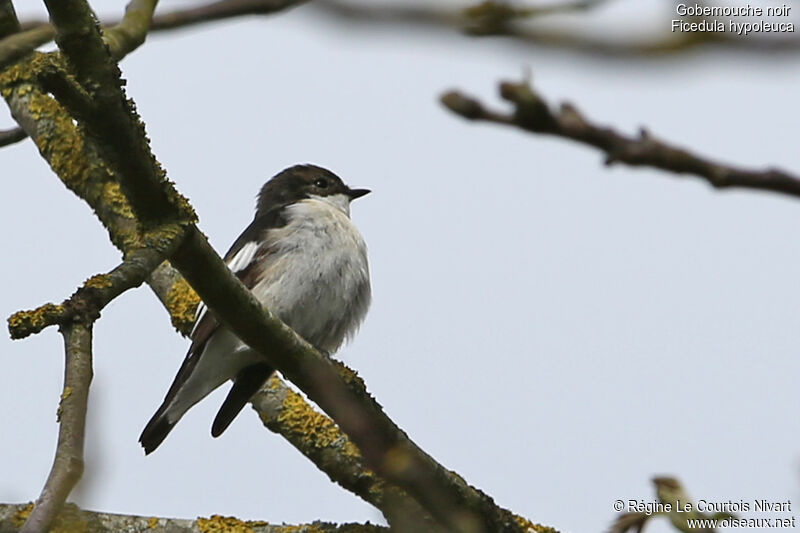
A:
[242,258]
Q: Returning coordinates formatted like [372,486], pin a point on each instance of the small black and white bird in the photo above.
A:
[305,261]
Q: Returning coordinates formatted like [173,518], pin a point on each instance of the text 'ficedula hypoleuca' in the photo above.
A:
[305,261]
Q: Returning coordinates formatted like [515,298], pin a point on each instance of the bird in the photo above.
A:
[304,260]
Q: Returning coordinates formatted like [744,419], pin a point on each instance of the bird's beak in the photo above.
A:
[357,193]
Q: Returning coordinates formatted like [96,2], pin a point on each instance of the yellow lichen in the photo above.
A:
[116,199]
[530,526]
[182,303]
[226,524]
[99,281]
[19,517]
[152,522]
[300,419]
[23,323]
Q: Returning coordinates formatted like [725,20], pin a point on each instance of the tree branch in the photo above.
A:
[384,446]
[131,31]
[76,161]
[72,518]
[98,291]
[316,436]
[115,125]
[126,34]
[8,19]
[531,113]
[68,463]
[14,135]
[505,19]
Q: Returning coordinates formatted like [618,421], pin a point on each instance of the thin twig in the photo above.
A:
[68,463]
[14,135]
[18,45]
[504,19]
[126,34]
[531,113]
[99,290]
[8,19]
[131,31]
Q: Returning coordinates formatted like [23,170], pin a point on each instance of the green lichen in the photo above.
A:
[182,303]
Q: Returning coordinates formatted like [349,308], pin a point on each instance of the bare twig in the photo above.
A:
[220,10]
[68,463]
[14,135]
[674,503]
[131,31]
[533,114]
[72,518]
[127,34]
[18,45]
[506,20]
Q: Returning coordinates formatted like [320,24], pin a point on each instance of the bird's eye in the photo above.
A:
[321,183]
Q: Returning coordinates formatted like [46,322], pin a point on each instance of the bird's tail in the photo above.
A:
[246,383]
[156,430]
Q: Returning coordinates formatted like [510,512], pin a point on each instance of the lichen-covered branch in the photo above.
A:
[76,161]
[385,448]
[71,518]
[316,436]
[532,113]
[115,122]
[87,302]
[68,463]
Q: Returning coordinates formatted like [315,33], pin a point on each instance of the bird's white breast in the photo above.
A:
[316,274]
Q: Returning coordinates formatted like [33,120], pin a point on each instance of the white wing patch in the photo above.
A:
[242,259]
[237,263]
[198,315]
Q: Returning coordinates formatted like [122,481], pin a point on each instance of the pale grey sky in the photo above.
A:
[556,331]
